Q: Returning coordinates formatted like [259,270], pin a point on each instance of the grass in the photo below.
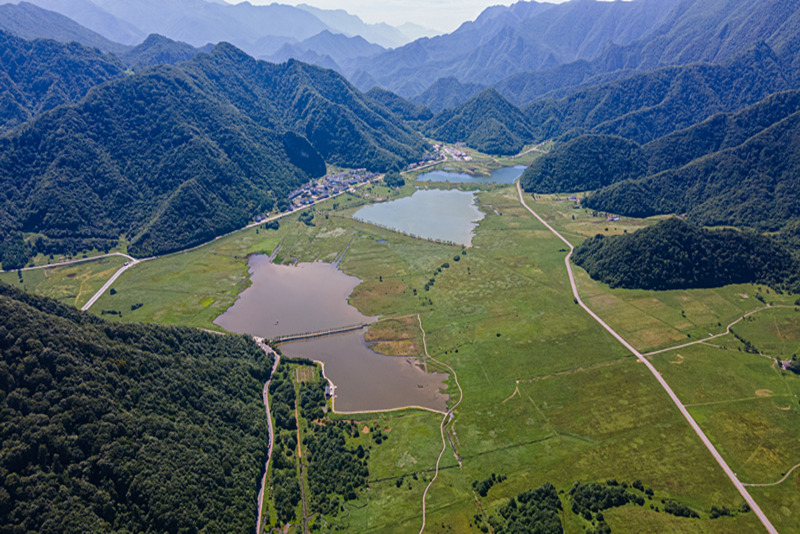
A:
[549,396]
[70,284]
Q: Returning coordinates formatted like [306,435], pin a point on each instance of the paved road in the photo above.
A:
[70,262]
[728,471]
[110,281]
[266,348]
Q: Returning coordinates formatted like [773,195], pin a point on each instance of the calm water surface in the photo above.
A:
[311,297]
[366,380]
[285,299]
[506,175]
[448,215]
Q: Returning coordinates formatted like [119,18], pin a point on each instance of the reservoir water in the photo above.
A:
[366,380]
[311,297]
[506,175]
[285,299]
[447,215]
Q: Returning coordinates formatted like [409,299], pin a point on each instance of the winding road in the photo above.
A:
[268,350]
[717,456]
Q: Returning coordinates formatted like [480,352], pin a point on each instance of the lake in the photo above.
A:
[286,299]
[506,175]
[366,380]
[445,215]
[310,297]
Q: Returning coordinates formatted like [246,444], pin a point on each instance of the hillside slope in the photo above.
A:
[125,427]
[36,76]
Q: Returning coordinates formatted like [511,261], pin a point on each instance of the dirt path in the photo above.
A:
[268,350]
[699,431]
[448,416]
[787,475]
[725,333]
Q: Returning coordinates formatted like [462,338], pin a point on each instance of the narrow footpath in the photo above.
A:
[448,416]
[707,442]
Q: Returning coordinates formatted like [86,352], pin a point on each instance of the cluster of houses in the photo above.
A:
[458,155]
[329,186]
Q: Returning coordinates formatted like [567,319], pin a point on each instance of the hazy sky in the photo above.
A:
[442,15]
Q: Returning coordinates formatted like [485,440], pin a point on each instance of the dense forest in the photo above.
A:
[674,254]
[36,76]
[642,107]
[584,163]
[487,122]
[751,185]
[173,156]
[130,428]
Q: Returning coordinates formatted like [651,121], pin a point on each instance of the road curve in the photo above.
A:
[110,281]
[448,416]
[70,262]
[710,446]
[268,350]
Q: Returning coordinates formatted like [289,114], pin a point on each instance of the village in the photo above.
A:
[328,186]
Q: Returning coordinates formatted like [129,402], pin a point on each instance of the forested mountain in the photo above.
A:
[734,168]
[750,185]
[125,428]
[174,156]
[646,106]
[487,122]
[36,76]
[506,40]
[677,255]
[585,163]
[399,105]
[31,22]
[159,50]
[447,93]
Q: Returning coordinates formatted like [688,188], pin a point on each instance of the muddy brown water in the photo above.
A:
[311,297]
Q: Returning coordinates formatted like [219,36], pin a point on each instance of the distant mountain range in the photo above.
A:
[260,30]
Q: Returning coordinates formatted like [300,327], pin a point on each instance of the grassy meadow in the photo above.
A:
[548,395]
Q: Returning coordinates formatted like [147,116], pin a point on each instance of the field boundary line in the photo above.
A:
[699,431]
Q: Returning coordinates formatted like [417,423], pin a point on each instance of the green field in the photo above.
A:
[71,284]
[549,396]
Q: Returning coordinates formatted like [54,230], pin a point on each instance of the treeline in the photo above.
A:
[674,254]
[131,428]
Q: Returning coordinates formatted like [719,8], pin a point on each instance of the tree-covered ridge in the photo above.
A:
[174,156]
[342,124]
[159,50]
[585,163]
[150,156]
[677,255]
[36,76]
[647,106]
[487,122]
[751,185]
[399,105]
[125,428]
